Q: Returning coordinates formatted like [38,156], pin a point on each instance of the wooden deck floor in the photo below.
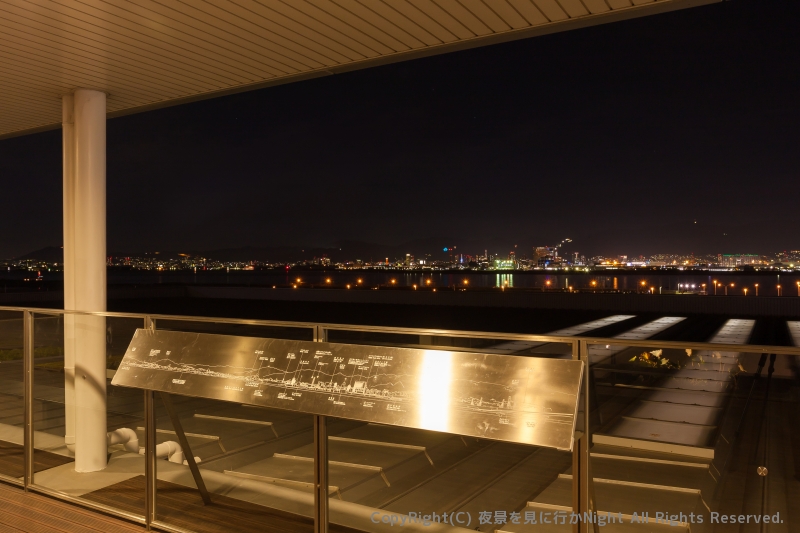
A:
[181,506]
[12,460]
[33,513]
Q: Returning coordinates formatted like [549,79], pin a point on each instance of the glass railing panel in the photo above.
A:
[253,460]
[383,477]
[690,435]
[11,394]
[86,431]
[123,487]
[256,464]
[53,460]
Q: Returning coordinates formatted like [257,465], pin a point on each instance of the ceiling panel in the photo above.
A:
[153,53]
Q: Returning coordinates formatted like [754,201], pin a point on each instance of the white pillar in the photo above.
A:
[68,133]
[89,277]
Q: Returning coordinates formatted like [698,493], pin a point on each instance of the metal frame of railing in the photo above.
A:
[582,491]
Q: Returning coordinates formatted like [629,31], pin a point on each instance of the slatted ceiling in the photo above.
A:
[529,11]
[39,52]
[509,15]
[120,48]
[400,38]
[386,43]
[263,21]
[298,21]
[488,16]
[375,47]
[574,8]
[551,9]
[443,17]
[596,6]
[151,53]
[243,37]
[42,69]
[455,9]
[400,27]
[191,35]
[82,46]
[307,53]
[418,19]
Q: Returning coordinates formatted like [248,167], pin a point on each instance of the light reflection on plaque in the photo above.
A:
[511,398]
[434,390]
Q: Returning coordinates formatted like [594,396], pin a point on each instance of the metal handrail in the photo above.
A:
[646,343]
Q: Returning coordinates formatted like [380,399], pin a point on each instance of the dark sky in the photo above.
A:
[671,133]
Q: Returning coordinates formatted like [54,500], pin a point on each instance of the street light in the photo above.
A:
[394,281]
[327,280]
[745,291]
[756,289]
[715,287]
[798,288]
[779,290]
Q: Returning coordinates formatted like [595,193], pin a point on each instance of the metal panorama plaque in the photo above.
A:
[510,398]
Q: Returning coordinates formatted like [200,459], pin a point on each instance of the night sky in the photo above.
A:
[674,133]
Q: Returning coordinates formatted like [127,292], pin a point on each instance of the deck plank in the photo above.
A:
[12,460]
[182,507]
[28,512]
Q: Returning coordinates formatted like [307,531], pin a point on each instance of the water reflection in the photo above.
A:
[505,280]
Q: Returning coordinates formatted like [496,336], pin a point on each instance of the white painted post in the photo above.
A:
[68,152]
[89,277]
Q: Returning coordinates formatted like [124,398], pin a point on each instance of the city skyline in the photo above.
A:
[538,258]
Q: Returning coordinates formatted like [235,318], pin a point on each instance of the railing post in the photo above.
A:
[27,360]
[149,458]
[320,474]
[320,459]
[150,473]
[582,497]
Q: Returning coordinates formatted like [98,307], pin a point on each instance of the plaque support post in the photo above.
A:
[320,474]
[187,451]
[27,359]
